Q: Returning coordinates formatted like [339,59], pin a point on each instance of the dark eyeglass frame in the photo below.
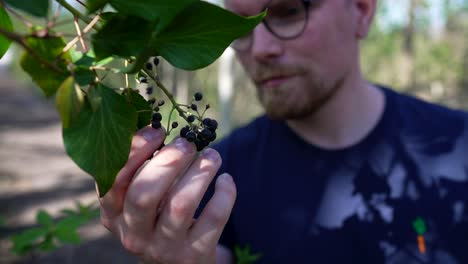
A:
[306,3]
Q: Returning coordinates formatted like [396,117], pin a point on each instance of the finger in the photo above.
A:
[149,187]
[144,143]
[207,230]
[177,215]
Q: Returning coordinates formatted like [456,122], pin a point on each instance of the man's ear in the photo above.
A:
[365,11]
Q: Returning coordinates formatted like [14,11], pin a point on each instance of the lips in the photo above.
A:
[274,81]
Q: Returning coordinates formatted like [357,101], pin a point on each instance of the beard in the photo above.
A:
[297,99]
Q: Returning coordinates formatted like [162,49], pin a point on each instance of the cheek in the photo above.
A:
[246,62]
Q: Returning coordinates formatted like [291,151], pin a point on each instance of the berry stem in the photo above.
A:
[75,12]
[169,128]
[167,93]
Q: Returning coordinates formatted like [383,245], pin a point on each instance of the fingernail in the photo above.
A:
[210,154]
[150,133]
[182,144]
[225,177]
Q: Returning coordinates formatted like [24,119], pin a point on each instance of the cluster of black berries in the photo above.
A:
[201,134]
[201,131]
[157,117]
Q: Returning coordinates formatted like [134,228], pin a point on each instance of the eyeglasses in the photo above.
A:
[285,19]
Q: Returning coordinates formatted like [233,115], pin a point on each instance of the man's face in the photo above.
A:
[295,77]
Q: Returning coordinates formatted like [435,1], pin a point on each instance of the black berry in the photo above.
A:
[149,90]
[184,131]
[213,124]
[143,79]
[151,101]
[156,61]
[157,117]
[205,134]
[200,144]
[206,121]
[174,124]
[149,66]
[213,137]
[161,102]
[198,96]
[156,124]
[191,136]
[194,107]
[190,118]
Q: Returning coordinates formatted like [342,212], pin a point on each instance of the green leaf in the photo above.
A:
[84,76]
[5,24]
[68,236]
[144,110]
[66,229]
[99,141]
[200,34]
[44,219]
[48,244]
[49,49]
[34,7]
[69,101]
[82,59]
[122,36]
[95,5]
[162,11]
[25,240]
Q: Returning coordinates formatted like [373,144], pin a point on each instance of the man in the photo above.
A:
[338,171]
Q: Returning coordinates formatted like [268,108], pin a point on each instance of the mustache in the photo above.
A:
[267,71]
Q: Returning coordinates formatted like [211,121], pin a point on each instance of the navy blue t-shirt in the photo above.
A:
[398,196]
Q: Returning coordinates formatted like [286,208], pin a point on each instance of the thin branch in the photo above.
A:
[54,19]
[76,13]
[85,30]
[81,3]
[167,93]
[126,75]
[20,40]
[80,36]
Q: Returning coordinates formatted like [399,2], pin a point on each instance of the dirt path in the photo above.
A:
[35,173]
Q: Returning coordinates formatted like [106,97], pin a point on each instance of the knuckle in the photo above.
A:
[133,244]
[217,214]
[179,206]
[140,200]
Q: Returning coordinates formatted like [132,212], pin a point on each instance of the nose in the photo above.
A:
[265,45]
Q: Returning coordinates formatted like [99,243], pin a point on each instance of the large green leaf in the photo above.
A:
[151,10]
[143,108]
[5,24]
[48,49]
[69,101]
[200,34]
[34,7]
[99,142]
[122,36]
[94,5]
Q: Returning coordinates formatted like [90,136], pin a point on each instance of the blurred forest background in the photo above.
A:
[415,46]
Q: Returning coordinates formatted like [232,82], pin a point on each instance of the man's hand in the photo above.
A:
[151,208]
